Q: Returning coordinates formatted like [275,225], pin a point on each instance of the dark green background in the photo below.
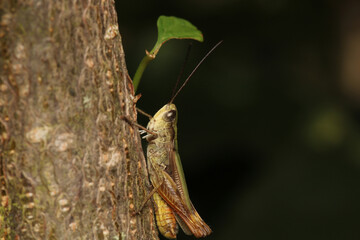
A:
[269,138]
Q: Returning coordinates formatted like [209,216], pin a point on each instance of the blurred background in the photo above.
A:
[269,126]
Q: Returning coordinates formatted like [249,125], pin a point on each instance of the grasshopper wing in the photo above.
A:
[188,218]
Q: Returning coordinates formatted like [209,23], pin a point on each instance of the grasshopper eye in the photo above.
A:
[170,116]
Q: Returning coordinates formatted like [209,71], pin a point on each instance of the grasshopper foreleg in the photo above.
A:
[144,129]
[144,113]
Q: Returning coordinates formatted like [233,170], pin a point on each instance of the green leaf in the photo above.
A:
[175,28]
[168,28]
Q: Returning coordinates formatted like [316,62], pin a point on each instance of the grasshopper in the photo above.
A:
[170,194]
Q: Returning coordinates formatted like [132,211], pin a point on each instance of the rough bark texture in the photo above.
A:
[71,168]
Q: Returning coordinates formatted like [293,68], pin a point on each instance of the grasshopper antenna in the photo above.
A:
[182,69]
[192,73]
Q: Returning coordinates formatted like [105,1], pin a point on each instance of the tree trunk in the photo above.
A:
[71,168]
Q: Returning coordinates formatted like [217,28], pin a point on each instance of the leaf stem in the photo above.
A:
[140,70]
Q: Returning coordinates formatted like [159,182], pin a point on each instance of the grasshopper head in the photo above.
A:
[165,118]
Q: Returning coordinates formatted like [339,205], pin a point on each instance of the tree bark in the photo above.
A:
[71,168]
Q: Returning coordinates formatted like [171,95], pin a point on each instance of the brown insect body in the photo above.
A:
[165,218]
[171,197]
[167,177]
